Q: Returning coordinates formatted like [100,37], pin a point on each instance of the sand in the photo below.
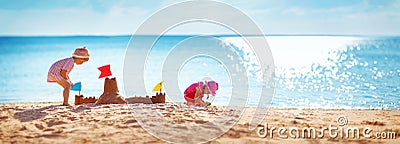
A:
[111,93]
[114,123]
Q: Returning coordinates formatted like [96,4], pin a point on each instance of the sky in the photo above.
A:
[123,17]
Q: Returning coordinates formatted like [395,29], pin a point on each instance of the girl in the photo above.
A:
[59,71]
[194,93]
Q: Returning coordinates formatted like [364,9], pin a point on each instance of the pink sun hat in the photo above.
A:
[213,87]
[81,53]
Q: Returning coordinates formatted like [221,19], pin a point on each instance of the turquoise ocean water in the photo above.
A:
[311,71]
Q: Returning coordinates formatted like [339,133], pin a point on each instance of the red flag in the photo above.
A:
[105,71]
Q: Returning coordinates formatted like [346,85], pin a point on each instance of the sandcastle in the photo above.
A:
[80,99]
[111,93]
[158,98]
[111,96]
[136,99]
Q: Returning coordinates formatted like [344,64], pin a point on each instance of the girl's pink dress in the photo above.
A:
[191,91]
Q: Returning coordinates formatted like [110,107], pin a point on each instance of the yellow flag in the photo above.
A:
[158,87]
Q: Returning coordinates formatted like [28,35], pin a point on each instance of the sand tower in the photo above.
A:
[111,93]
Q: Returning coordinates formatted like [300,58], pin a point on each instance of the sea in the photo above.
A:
[311,71]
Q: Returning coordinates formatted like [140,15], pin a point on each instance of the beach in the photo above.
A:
[49,122]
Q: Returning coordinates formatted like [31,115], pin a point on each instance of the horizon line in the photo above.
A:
[224,35]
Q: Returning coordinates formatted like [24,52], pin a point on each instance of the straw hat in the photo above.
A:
[81,53]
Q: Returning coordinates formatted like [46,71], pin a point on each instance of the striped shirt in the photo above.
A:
[54,73]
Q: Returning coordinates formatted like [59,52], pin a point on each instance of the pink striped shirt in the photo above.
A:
[54,73]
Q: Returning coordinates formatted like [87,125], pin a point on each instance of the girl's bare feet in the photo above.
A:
[198,101]
[66,104]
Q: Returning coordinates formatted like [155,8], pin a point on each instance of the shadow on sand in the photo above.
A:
[33,114]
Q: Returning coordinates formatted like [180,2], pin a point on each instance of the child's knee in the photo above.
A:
[190,103]
[64,84]
[67,86]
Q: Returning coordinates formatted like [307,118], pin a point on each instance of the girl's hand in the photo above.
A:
[70,83]
[199,102]
[64,74]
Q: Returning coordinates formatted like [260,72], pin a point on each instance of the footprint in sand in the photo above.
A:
[49,135]
[200,121]
[31,128]
[29,115]
[49,129]
[378,123]
[3,117]
[39,126]
[55,122]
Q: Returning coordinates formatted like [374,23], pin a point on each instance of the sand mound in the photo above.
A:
[111,93]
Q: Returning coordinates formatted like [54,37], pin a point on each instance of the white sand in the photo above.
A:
[114,123]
